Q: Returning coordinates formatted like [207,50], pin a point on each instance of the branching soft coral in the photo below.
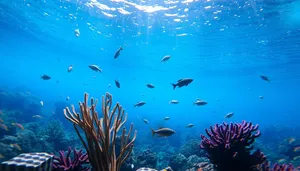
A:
[229,146]
[65,162]
[101,133]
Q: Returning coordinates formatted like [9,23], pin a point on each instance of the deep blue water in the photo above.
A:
[223,45]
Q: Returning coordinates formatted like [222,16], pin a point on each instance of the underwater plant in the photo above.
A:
[229,146]
[65,162]
[101,133]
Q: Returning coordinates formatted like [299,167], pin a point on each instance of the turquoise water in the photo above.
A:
[223,45]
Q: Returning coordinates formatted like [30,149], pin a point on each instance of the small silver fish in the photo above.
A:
[146,121]
[165,58]
[42,103]
[70,68]
[167,118]
[190,125]
[174,102]
[139,104]
[37,116]
[77,32]
[199,102]
[229,115]
[95,68]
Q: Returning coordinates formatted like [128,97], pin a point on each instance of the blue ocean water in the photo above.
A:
[225,46]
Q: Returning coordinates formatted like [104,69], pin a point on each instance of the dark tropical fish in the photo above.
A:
[229,115]
[139,104]
[45,77]
[163,132]
[183,82]
[265,78]
[165,58]
[150,85]
[261,97]
[117,54]
[117,83]
[95,68]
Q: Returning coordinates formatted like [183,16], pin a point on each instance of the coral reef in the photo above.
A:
[7,152]
[58,114]
[194,159]
[202,166]
[276,167]
[178,162]
[191,147]
[101,133]
[54,133]
[65,162]
[20,104]
[229,146]
[147,159]
[287,148]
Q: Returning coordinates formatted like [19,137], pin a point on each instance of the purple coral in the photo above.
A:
[64,162]
[229,146]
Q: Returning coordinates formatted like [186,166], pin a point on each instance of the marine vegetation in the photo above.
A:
[65,162]
[229,146]
[101,133]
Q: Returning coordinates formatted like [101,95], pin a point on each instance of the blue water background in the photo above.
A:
[225,56]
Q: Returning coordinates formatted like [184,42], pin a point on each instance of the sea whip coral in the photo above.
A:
[64,162]
[101,133]
[229,146]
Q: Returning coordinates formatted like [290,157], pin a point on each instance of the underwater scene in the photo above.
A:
[150,85]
